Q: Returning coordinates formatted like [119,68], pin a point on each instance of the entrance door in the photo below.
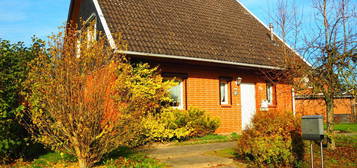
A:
[247,103]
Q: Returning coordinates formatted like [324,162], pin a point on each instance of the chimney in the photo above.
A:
[271,28]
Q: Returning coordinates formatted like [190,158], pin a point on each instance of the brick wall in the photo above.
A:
[202,91]
[343,107]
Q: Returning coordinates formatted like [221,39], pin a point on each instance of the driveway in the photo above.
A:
[193,156]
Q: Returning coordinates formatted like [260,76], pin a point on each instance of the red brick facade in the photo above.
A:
[343,110]
[202,91]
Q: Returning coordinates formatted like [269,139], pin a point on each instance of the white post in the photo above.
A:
[312,155]
[293,100]
[322,154]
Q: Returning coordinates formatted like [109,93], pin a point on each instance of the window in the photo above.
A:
[176,93]
[223,92]
[91,30]
[88,33]
[78,47]
[270,93]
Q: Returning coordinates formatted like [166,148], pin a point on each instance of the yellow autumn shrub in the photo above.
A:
[174,124]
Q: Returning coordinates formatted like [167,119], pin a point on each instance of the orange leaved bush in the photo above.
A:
[86,99]
[274,139]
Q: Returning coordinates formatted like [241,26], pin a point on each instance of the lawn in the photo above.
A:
[123,158]
[346,127]
[344,156]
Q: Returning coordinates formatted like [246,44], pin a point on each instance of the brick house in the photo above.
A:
[345,109]
[215,49]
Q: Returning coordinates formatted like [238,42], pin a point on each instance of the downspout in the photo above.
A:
[293,100]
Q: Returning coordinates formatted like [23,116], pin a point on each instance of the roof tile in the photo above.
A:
[210,29]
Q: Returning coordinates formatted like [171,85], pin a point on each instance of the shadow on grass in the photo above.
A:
[52,158]
[34,151]
[122,151]
[127,157]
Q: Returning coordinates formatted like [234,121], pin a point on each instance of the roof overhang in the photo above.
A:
[199,60]
[70,10]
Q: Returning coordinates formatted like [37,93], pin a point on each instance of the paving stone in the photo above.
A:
[197,161]
[193,156]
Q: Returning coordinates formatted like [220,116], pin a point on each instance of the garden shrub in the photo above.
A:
[14,139]
[90,101]
[201,123]
[174,124]
[273,139]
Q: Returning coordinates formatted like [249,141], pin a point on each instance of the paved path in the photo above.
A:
[193,156]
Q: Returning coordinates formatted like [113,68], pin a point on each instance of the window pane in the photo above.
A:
[176,94]
[224,92]
[270,93]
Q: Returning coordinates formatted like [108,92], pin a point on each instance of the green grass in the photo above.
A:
[344,156]
[347,127]
[47,160]
[123,157]
[346,140]
[137,160]
[126,158]
[57,157]
[212,138]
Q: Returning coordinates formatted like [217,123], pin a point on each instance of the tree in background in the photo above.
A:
[13,71]
[330,47]
[285,20]
[286,16]
[85,99]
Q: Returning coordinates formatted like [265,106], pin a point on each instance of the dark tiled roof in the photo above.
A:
[209,29]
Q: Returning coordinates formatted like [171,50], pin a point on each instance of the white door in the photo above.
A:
[247,103]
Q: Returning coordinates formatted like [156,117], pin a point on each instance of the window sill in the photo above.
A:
[226,105]
[272,106]
[178,108]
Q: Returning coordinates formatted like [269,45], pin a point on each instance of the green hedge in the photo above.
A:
[14,140]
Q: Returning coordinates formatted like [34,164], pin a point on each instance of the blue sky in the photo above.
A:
[261,7]
[21,19]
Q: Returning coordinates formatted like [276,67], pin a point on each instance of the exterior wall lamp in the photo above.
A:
[239,80]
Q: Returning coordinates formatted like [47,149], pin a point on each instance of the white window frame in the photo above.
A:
[78,46]
[93,35]
[270,93]
[226,92]
[181,94]
[92,19]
